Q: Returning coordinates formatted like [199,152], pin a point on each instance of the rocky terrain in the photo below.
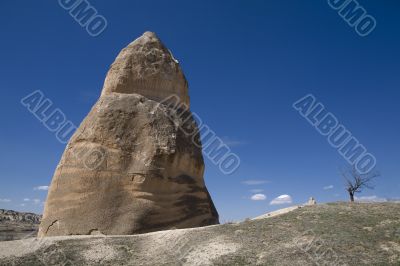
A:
[130,167]
[18,225]
[326,234]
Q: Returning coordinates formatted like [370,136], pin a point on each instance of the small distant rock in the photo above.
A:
[21,217]
[18,225]
[311,202]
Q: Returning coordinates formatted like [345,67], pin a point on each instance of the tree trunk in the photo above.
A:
[351,196]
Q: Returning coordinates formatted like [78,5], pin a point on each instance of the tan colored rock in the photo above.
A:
[129,168]
[311,202]
[148,68]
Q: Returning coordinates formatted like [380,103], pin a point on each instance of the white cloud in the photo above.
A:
[5,200]
[328,187]
[255,182]
[282,199]
[373,198]
[26,199]
[41,188]
[258,197]
[232,143]
[36,201]
[22,204]
[256,190]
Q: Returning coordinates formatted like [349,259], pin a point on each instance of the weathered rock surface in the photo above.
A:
[148,68]
[129,168]
[17,225]
[324,234]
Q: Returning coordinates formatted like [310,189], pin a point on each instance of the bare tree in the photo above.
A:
[357,182]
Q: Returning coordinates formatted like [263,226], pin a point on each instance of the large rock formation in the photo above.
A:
[129,168]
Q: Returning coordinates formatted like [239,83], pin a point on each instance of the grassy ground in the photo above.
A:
[328,234]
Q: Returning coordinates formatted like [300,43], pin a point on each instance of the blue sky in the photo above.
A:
[247,62]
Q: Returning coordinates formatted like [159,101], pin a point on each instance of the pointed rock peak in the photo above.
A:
[149,34]
[148,68]
[147,37]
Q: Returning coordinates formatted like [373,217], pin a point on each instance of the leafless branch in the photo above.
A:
[356,182]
